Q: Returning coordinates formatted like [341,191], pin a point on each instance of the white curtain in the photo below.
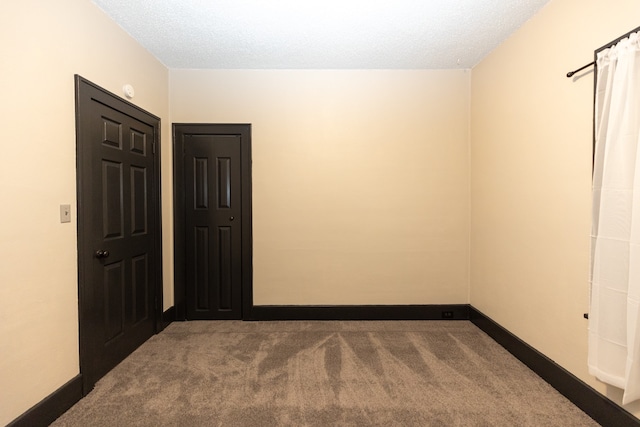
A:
[614,318]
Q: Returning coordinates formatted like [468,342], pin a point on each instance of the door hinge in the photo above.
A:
[153,147]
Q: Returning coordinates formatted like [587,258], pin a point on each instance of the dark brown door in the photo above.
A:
[118,214]
[212,187]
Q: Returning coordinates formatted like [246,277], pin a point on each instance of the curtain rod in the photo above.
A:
[608,45]
[571,73]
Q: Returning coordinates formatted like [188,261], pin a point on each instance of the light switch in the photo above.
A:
[65,213]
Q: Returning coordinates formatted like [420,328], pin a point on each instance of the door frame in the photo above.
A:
[179,213]
[86,90]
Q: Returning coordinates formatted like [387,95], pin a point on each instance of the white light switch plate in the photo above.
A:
[65,213]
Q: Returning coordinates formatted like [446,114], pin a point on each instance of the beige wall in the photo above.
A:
[360,180]
[531,176]
[42,45]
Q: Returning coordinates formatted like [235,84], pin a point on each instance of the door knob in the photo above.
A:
[230,218]
[102,254]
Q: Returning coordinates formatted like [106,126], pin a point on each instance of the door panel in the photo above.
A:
[118,229]
[140,287]
[213,219]
[225,266]
[201,270]
[114,285]
[112,190]
[139,200]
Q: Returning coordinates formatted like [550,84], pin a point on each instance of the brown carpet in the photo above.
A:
[395,373]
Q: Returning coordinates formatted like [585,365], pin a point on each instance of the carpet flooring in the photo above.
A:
[322,373]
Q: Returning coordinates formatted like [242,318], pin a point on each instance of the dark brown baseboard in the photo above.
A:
[168,316]
[52,406]
[594,404]
[360,312]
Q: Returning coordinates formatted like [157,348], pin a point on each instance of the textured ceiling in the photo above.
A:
[326,34]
